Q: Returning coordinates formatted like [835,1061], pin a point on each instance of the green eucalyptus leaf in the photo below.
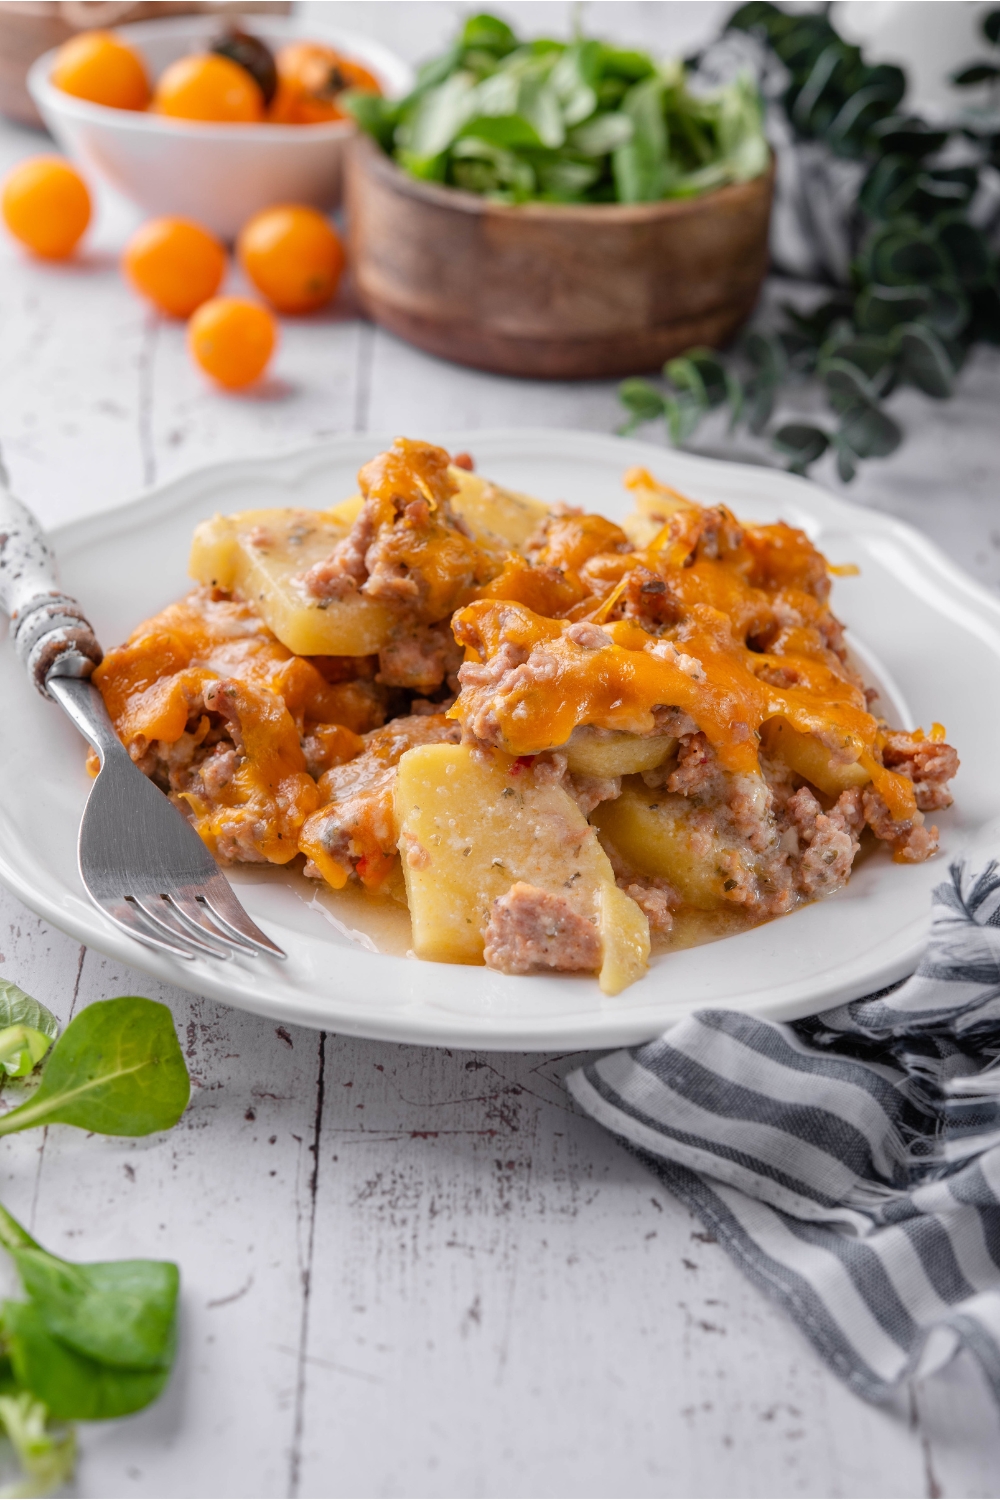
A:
[735,397]
[887,187]
[847,384]
[903,256]
[985,315]
[713,375]
[117,1069]
[819,79]
[870,432]
[759,397]
[846,465]
[924,361]
[72,1386]
[686,376]
[968,249]
[851,119]
[800,350]
[879,309]
[19,1009]
[873,357]
[949,309]
[802,443]
[766,354]
[643,400]
[815,326]
[906,136]
[683,414]
[983,72]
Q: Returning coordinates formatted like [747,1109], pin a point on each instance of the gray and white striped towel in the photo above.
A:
[849,1163]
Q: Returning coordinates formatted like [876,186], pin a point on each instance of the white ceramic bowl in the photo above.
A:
[218,175]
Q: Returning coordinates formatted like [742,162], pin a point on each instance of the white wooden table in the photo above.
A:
[406,1271]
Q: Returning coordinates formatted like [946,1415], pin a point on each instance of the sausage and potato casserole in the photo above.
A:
[555,738]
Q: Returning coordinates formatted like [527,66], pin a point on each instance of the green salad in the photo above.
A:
[558,122]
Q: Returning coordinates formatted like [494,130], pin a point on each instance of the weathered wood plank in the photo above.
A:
[228,1195]
[501,1300]
[505,1302]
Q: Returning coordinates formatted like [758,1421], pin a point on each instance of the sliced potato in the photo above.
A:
[612,752]
[666,835]
[259,552]
[493,514]
[654,504]
[812,759]
[468,829]
[347,512]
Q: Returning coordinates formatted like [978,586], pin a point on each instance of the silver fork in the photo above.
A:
[140,860]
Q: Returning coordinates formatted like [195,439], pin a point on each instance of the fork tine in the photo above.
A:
[156,910]
[194,917]
[128,919]
[226,910]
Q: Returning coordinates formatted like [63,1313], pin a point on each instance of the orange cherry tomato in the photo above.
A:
[45,205]
[311,78]
[209,87]
[176,264]
[293,257]
[232,340]
[97,65]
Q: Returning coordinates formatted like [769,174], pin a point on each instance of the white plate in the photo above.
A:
[930,633]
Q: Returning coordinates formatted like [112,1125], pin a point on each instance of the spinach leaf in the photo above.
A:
[21,1050]
[640,164]
[94,1341]
[19,1009]
[117,1069]
[570,122]
[119,1312]
[72,1386]
[47,1458]
[489,34]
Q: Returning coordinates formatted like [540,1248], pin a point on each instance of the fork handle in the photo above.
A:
[51,634]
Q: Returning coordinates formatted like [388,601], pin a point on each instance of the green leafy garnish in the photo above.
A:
[117,1069]
[47,1455]
[22,1049]
[91,1341]
[565,122]
[19,1009]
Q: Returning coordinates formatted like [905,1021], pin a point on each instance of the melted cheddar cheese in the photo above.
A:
[745,638]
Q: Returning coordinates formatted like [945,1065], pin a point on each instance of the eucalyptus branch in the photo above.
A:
[924,281]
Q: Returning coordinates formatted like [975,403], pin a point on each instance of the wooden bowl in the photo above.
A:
[553,291]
